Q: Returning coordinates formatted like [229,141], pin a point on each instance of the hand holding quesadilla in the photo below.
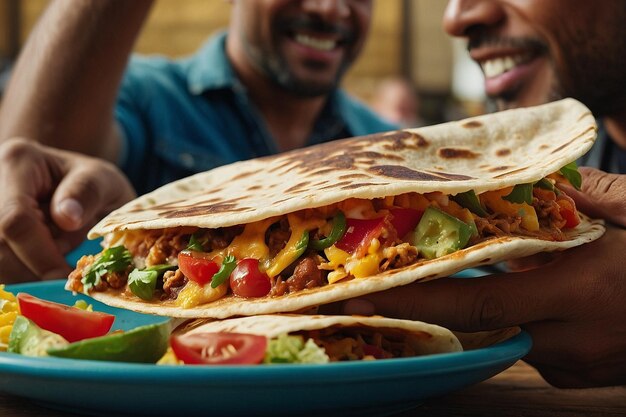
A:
[573,308]
[353,217]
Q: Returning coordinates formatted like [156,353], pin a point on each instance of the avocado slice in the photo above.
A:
[28,339]
[145,344]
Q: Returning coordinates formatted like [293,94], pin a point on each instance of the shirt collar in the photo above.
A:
[209,68]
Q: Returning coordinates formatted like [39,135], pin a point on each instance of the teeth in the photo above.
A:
[321,44]
[497,66]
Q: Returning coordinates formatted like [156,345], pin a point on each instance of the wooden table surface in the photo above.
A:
[517,392]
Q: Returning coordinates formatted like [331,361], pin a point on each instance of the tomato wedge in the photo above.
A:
[197,268]
[72,323]
[219,348]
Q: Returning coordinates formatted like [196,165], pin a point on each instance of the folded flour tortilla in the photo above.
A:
[342,337]
[240,209]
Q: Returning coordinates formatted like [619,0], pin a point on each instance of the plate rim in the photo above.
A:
[88,370]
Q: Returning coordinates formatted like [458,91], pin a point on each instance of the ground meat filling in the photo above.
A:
[356,343]
[157,247]
[306,274]
[277,236]
[548,214]
[115,280]
[173,282]
[74,279]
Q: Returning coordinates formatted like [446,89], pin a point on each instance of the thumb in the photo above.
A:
[88,192]
[602,195]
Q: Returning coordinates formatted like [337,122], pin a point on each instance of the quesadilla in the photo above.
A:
[293,338]
[347,218]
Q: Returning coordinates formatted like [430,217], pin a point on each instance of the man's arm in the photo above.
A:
[63,88]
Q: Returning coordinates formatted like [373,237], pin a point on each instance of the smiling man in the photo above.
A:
[533,51]
[536,51]
[267,85]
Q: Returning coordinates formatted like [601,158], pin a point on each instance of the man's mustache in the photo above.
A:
[312,24]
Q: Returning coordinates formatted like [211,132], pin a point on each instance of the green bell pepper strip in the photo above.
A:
[302,244]
[336,233]
[470,201]
[228,264]
[438,234]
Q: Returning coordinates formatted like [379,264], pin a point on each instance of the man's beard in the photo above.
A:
[276,68]
[278,72]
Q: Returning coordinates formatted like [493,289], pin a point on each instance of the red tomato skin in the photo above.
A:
[571,218]
[567,210]
[247,280]
[405,219]
[359,231]
[72,323]
[193,349]
[197,268]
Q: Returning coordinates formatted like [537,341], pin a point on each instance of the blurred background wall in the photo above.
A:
[406,40]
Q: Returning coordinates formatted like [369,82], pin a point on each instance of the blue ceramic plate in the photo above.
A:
[340,389]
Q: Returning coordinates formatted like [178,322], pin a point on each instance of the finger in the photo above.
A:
[484,303]
[12,270]
[28,237]
[87,192]
[532,262]
[602,195]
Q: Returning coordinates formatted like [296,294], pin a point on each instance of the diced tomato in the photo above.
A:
[219,348]
[359,233]
[197,268]
[247,280]
[405,220]
[567,209]
[72,323]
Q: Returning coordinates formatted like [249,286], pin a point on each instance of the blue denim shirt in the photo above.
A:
[179,117]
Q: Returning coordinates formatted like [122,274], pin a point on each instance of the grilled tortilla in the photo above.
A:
[343,337]
[264,209]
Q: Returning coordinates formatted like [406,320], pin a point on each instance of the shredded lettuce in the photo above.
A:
[293,349]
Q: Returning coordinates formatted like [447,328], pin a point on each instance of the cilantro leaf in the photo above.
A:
[522,193]
[114,259]
[570,172]
[142,283]
[196,244]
